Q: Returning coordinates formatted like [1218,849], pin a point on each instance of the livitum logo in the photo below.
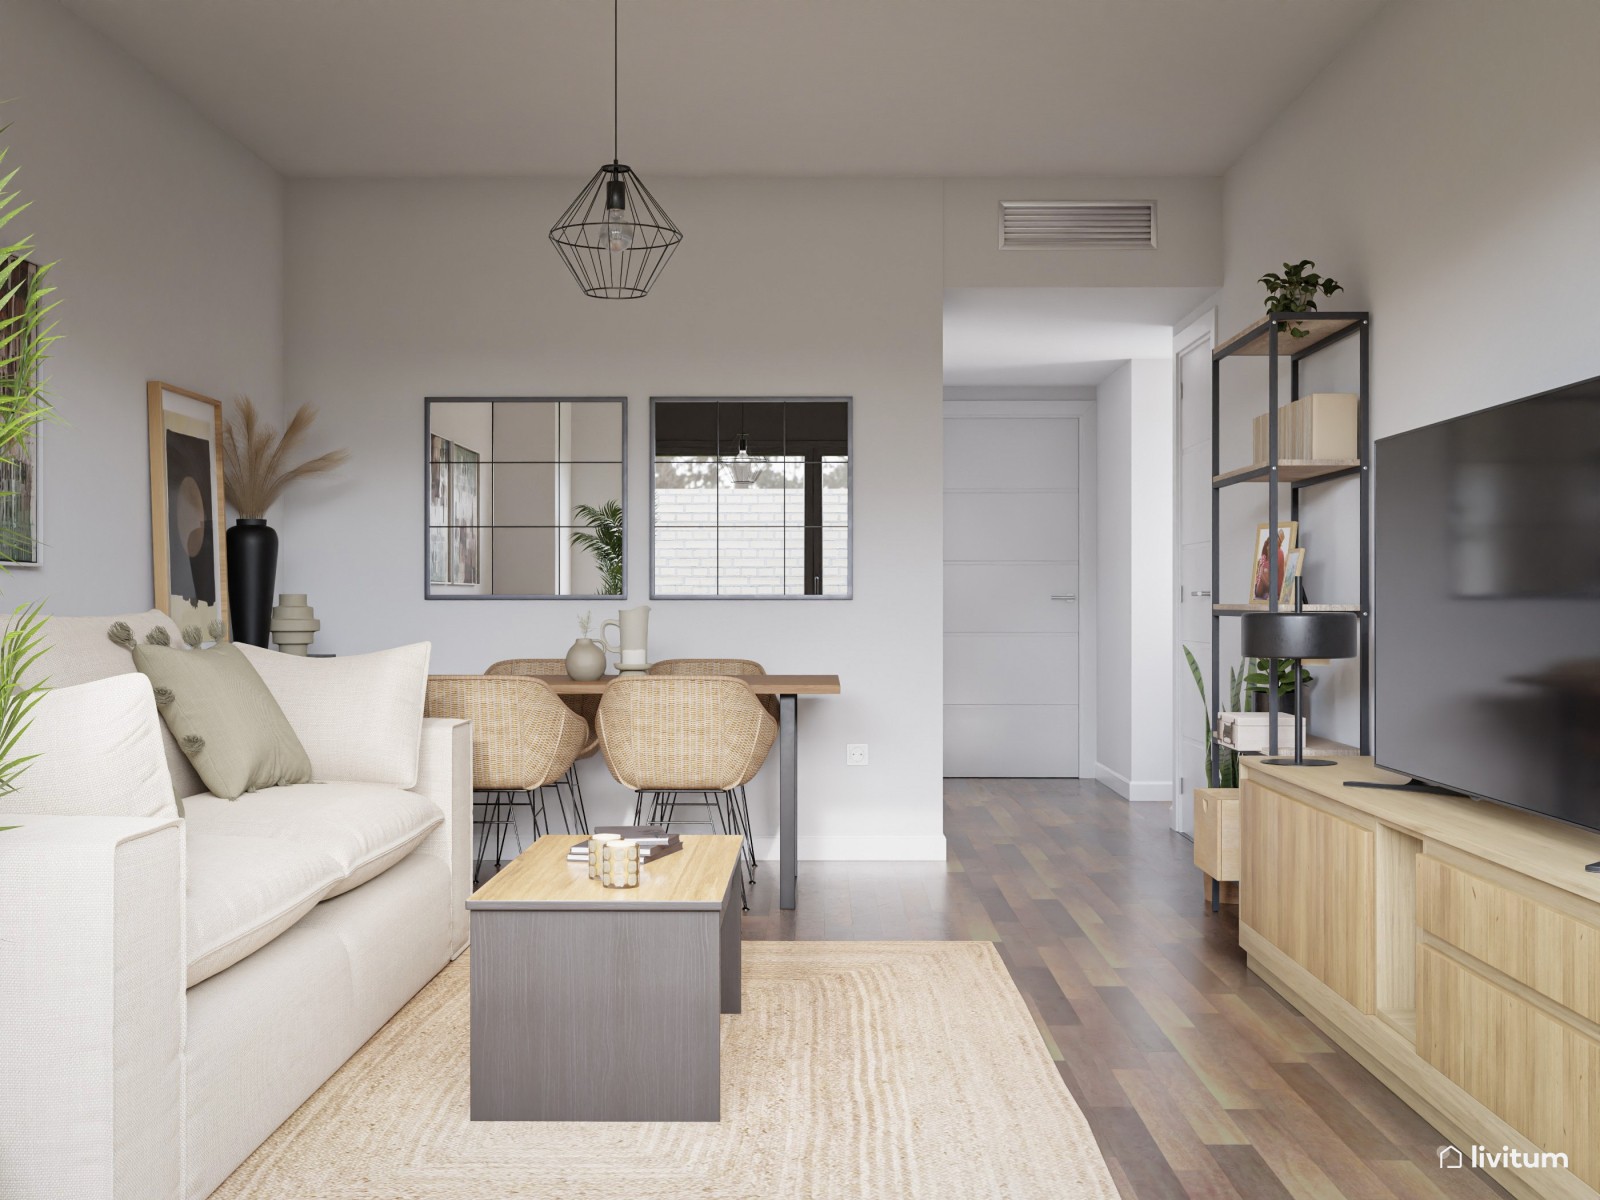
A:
[1486,1158]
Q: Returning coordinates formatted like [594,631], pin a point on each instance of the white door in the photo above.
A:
[1194,571]
[1012,583]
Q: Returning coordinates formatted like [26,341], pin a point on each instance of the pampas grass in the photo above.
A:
[254,456]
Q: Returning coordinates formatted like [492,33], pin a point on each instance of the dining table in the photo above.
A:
[788,689]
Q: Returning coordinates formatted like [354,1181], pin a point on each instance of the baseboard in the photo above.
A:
[1139,791]
[885,847]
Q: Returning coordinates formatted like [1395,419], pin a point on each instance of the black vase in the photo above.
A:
[252,570]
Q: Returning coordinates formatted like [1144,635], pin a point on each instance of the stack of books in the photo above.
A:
[654,841]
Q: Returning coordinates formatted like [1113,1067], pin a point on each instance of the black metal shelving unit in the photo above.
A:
[1269,338]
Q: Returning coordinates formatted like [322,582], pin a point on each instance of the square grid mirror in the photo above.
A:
[525,497]
[750,497]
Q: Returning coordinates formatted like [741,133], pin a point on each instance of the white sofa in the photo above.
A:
[171,989]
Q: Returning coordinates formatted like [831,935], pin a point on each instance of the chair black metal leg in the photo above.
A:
[580,814]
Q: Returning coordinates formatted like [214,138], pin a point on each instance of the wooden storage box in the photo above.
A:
[1216,835]
[1318,427]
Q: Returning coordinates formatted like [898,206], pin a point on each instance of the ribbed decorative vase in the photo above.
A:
[586,660]
[294,624]
[252,570]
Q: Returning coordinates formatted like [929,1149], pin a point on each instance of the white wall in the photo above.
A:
[1135,581]
[1446,169]
[406,289]
[169,238]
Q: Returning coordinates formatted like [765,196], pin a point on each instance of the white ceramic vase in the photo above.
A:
[586,660]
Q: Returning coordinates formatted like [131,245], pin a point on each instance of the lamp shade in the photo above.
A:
[1299,634]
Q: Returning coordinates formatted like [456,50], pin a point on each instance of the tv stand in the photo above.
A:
[1410,785]
[1451,948]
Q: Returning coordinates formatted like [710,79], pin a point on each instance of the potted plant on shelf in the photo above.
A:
[1255,682]
[1228,761]
[255,471]
[1296,290]
[27,331]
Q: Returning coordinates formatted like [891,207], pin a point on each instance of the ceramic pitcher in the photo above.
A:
[633,630]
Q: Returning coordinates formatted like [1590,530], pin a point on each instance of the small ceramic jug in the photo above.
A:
[586,660]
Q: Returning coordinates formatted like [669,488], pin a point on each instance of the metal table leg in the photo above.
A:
[788,817]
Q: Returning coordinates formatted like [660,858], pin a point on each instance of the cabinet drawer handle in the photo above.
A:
[1199,594]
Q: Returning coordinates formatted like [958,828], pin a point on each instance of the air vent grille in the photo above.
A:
[1066,224]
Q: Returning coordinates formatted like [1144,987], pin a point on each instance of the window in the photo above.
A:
[525,498]
[750,497]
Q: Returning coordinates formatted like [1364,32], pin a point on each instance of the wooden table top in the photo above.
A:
[695,877]
[762,685]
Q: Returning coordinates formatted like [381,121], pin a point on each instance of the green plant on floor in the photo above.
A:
[1255,678]
[27,331]
[603,541]
[1296,290]
[1228,761]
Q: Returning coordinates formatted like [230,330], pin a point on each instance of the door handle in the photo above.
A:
[1199,594]
[1068,596]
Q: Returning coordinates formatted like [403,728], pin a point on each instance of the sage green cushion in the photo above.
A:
[226,721]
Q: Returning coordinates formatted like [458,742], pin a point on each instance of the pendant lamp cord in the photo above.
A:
[615,59]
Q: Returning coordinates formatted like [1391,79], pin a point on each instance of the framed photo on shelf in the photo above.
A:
[1261,562]
[186,505]
[1291,576]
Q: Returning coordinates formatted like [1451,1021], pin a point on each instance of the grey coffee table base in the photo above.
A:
[595,1015]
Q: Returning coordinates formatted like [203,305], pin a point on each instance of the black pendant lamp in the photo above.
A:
[615,237]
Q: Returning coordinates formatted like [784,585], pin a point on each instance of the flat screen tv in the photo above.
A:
[1487,604]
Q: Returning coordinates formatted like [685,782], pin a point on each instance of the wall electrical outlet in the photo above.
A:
[855,755]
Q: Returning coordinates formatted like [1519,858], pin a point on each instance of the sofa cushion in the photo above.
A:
[80,652]
[224,717]
[364,827]
[245,891]
[359,716]
[98,748]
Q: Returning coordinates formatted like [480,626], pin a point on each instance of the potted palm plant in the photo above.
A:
[27,331]
[603,542]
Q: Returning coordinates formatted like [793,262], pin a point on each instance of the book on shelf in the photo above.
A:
[1318,426]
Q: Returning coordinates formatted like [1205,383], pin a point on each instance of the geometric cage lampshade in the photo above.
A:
[615,237]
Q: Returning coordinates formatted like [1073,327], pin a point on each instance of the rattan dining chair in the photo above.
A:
[725,666]
[523,740]
[668,736]
[585,707]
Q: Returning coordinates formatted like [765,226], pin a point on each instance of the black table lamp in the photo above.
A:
[1298,636]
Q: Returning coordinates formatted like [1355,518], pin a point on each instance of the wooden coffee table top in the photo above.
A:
[695,877]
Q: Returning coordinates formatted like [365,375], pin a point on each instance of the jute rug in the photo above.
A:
[857,1069]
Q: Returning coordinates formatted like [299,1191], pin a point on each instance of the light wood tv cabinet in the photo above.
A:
[1451,946]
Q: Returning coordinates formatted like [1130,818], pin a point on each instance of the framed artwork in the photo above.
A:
[464,492]
[438,509]
[186,505]
[20,492]
[1291,574]
[1261,564]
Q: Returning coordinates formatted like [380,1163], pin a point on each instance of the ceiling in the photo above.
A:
[713,87]
[1040,337]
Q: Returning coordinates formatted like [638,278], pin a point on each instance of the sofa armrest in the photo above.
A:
[92,988]
[444,775]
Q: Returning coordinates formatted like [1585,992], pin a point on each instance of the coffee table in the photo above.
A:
[602,1004]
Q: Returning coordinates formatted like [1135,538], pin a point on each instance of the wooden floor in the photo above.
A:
[1199,1081]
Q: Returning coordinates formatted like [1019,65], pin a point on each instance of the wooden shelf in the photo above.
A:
[1252,341]
[1231,610]
[1290,470]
